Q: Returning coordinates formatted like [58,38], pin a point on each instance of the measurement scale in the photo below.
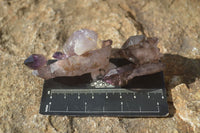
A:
[144,96]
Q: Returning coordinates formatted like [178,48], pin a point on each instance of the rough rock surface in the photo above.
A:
[34,26]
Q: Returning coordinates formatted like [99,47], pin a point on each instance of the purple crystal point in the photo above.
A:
[35,61]
[59,55]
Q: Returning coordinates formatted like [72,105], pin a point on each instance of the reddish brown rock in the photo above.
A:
[34,26]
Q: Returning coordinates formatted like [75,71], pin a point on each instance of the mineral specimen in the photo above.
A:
[143,53]
[81,55]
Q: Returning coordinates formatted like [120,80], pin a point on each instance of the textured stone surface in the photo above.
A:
[28,27]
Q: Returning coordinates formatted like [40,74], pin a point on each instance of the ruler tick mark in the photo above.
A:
[148,95]
[78,96]
[122,108]
[85,106]
[158,108]
[120,96]
[46,108]
[49,107]
[48,92]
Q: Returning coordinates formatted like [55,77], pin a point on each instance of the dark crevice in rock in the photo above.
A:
[1,33]
[172,109]
[50,122]
[5,45]
[138,25]
[122,124]
[8,2]
[22,11]
[119,30]
[171,3]
[36,2]
[71,124]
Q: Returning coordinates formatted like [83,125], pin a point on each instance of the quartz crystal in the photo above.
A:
[80,42]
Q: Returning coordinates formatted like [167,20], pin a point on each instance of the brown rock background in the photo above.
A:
[33,26]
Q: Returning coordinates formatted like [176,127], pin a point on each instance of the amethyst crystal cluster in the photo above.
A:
[81,55]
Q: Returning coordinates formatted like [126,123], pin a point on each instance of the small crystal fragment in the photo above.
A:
[107,42]
[59,55]
[133,40]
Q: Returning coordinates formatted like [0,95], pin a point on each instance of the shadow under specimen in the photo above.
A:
[186,69]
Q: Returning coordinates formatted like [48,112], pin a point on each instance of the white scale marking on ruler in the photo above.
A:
[122,108]
[49,107]
[106,96]
[46,108]
[120,96]
[85,106]
[148,95]
[158,107]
